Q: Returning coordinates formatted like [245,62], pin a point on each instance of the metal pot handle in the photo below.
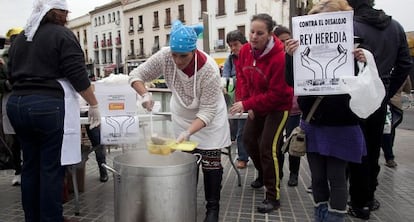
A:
[110,169]
[199,158]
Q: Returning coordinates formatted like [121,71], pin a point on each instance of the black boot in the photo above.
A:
[103,174]
[101,158]
[258,183]
[212,187]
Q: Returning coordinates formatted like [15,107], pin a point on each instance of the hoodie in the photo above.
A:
[261,79]
[386,39]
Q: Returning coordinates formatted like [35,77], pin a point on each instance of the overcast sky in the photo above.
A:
[13,14]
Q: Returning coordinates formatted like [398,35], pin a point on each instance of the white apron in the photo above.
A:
[214,136]
[71,144]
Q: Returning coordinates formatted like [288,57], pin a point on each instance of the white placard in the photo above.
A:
[117,105]
[324,54]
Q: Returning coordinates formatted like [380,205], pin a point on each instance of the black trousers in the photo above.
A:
[263,138]
[363,177]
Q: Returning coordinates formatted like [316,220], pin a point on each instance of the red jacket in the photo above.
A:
[262,80]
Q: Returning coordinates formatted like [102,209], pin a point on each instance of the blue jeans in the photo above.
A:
[241,151]
[38,121]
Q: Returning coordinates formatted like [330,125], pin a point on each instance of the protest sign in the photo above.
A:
[324,54]
[117,105]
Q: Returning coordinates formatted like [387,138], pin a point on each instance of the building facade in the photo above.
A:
[82,29]
[123,33]
[107,37]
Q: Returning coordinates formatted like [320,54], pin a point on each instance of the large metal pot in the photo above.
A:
[155,188]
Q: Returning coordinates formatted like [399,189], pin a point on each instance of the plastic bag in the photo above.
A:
[366,90]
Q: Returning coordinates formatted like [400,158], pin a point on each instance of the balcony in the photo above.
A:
[109,42]
[167,23]
[140,27]
[156,26]
[219,46]
[118,41]
[95,44]
[240,10]
[155,48]
[103,43]
[221,12]
[131,30]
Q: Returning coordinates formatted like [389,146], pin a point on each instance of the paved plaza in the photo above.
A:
[96,203]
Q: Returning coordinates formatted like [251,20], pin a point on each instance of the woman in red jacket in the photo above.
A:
[267,99]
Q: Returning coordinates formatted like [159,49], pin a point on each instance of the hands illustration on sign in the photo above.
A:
[126,124]
[115,126]
[336,62]
[119,124]
[311,64]
[330,68]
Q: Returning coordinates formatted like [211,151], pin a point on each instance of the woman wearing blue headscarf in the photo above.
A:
[197,103]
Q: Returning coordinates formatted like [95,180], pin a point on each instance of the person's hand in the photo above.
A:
[291,45]
[184,136]
[237,107]
[94,116]
[359,55]
[147,101]
[2,62]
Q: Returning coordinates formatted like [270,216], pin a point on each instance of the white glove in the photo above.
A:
[147,101]
[94,116]
[184,136]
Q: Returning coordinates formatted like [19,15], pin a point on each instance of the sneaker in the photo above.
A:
[309,189]
[16,180]
[258,183]
[268,206]
[293,180]
[241,164]
[373,205]
[391,163]
[361,213]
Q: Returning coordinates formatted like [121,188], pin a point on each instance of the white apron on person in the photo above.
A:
[7,127]
[215,135]
[71,144]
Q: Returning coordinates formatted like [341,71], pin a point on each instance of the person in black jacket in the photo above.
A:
[333,135]
[386,39]
[47,69]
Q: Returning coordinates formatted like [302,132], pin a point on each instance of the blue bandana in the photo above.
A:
[184,38]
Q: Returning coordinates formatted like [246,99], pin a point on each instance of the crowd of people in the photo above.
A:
[43,72]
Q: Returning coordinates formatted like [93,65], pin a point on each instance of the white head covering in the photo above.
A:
[40,8]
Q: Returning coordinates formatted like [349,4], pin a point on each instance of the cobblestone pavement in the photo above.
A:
[395,193]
